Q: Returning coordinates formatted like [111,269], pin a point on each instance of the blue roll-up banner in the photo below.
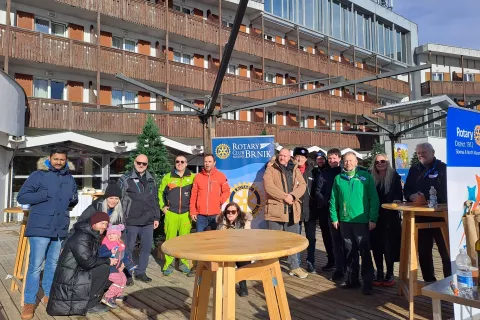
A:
[243,161]
[463,180]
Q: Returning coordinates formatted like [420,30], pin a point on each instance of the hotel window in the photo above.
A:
[303,122]
[303,48]
[226,23]
[360,31]
[469,77]
[399,45]
[304,86]
[124,97]
[124,44]
[232,69]
[381,39]
[336,20]
[309,13]
[437,76]
[182,57]
[183,9]
[49,89]
[50,27]
[230,116]
[269,77]
[271,117]
[268,37]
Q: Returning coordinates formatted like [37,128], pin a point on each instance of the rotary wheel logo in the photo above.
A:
[476,134]
[247,197]
[222,151]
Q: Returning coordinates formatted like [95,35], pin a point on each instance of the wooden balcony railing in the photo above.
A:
[65,115]
[450,88]
[153,15]
[45,48]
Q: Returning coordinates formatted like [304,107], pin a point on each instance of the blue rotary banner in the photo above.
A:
[243,160]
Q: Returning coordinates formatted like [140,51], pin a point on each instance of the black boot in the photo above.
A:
[352,282]
[243,292]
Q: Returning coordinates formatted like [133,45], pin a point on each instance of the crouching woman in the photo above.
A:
[81,275]
[234,218]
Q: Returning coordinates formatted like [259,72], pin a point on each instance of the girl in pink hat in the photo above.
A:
[113,246]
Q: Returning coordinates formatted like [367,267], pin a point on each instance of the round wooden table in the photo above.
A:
[217,252]
[408,284]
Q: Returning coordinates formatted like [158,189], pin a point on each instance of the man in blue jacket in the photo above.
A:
[49,191]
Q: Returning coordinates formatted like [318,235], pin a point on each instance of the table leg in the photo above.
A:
[281,294]
[228,291]
[19,258]
[412,270]
[25,270]
[403,252]
[437,309]
[201,292]
[218,293]
[270,296]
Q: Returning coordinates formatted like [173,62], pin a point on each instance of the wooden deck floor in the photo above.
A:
[170,297]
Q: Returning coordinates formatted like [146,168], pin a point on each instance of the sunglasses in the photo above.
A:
[231,211]
[380,161]
[180,161]
[142,163]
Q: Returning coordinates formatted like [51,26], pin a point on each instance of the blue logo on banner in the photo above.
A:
[403,173]
[463,138]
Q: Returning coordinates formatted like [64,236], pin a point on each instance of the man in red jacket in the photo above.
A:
[210,190]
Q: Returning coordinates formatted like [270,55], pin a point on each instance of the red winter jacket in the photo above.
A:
[209,192]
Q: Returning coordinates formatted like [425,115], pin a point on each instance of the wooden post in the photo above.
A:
[463,81]
[167,61]
[98,55]
[7,32]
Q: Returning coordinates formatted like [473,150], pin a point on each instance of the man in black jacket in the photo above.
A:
[429,172]
[141,210]
[308,216]
[332,239]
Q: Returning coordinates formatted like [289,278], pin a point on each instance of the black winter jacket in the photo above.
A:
[139,199]
[71,285]
[421,178]
[323,186]
[307,199]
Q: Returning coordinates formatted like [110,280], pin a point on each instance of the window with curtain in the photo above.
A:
[177,57]
[360,31]
[231,69]
[337,21]
[40,88]
[42,25]
[59,29]
[57,90]
[130,45]
[129,96]
[116,97]
[309,14]
[117,43]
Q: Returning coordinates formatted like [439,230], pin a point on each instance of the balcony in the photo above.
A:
[65,115]
[451,88]
[153,15]
[44,48]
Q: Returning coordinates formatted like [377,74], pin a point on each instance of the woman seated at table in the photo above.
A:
[234,218]
[81,275]
[386,237]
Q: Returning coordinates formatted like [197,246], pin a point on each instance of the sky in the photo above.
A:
[448,22]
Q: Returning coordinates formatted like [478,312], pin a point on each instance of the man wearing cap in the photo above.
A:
[308,215]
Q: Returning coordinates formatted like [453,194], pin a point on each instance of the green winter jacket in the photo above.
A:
[354,199]
[175,191]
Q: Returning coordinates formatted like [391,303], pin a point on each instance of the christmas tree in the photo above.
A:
[377,148]
[414,160]
[150,143]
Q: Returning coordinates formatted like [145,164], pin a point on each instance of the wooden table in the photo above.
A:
[441,290]
[95,195]
[217,252]
[408,284]
[20,268]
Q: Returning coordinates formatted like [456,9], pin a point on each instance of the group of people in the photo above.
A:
[87,268]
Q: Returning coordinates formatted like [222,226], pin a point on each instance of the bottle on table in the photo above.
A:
[464,272]
[432,203]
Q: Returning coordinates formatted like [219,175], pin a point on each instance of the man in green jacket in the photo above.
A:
[174,197]
[354,209]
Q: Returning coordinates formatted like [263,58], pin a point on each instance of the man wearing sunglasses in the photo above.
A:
[142,212]
[174,196]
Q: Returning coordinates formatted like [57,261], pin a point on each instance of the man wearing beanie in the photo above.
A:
[354,211]
[308,215]
[142,212]
[82,275]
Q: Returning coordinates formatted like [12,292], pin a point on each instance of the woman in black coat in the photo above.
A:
[81,276]
[386,237]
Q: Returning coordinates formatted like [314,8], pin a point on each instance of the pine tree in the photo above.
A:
[150,143]
[377,148]
[264,132]
[414,160]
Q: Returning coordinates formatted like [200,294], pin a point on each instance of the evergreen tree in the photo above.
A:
[414,160]
[263,133]
[150,143]
[376,149]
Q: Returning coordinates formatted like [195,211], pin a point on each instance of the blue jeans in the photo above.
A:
[293,259]
[41,247]
[204,221]
[146,240]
